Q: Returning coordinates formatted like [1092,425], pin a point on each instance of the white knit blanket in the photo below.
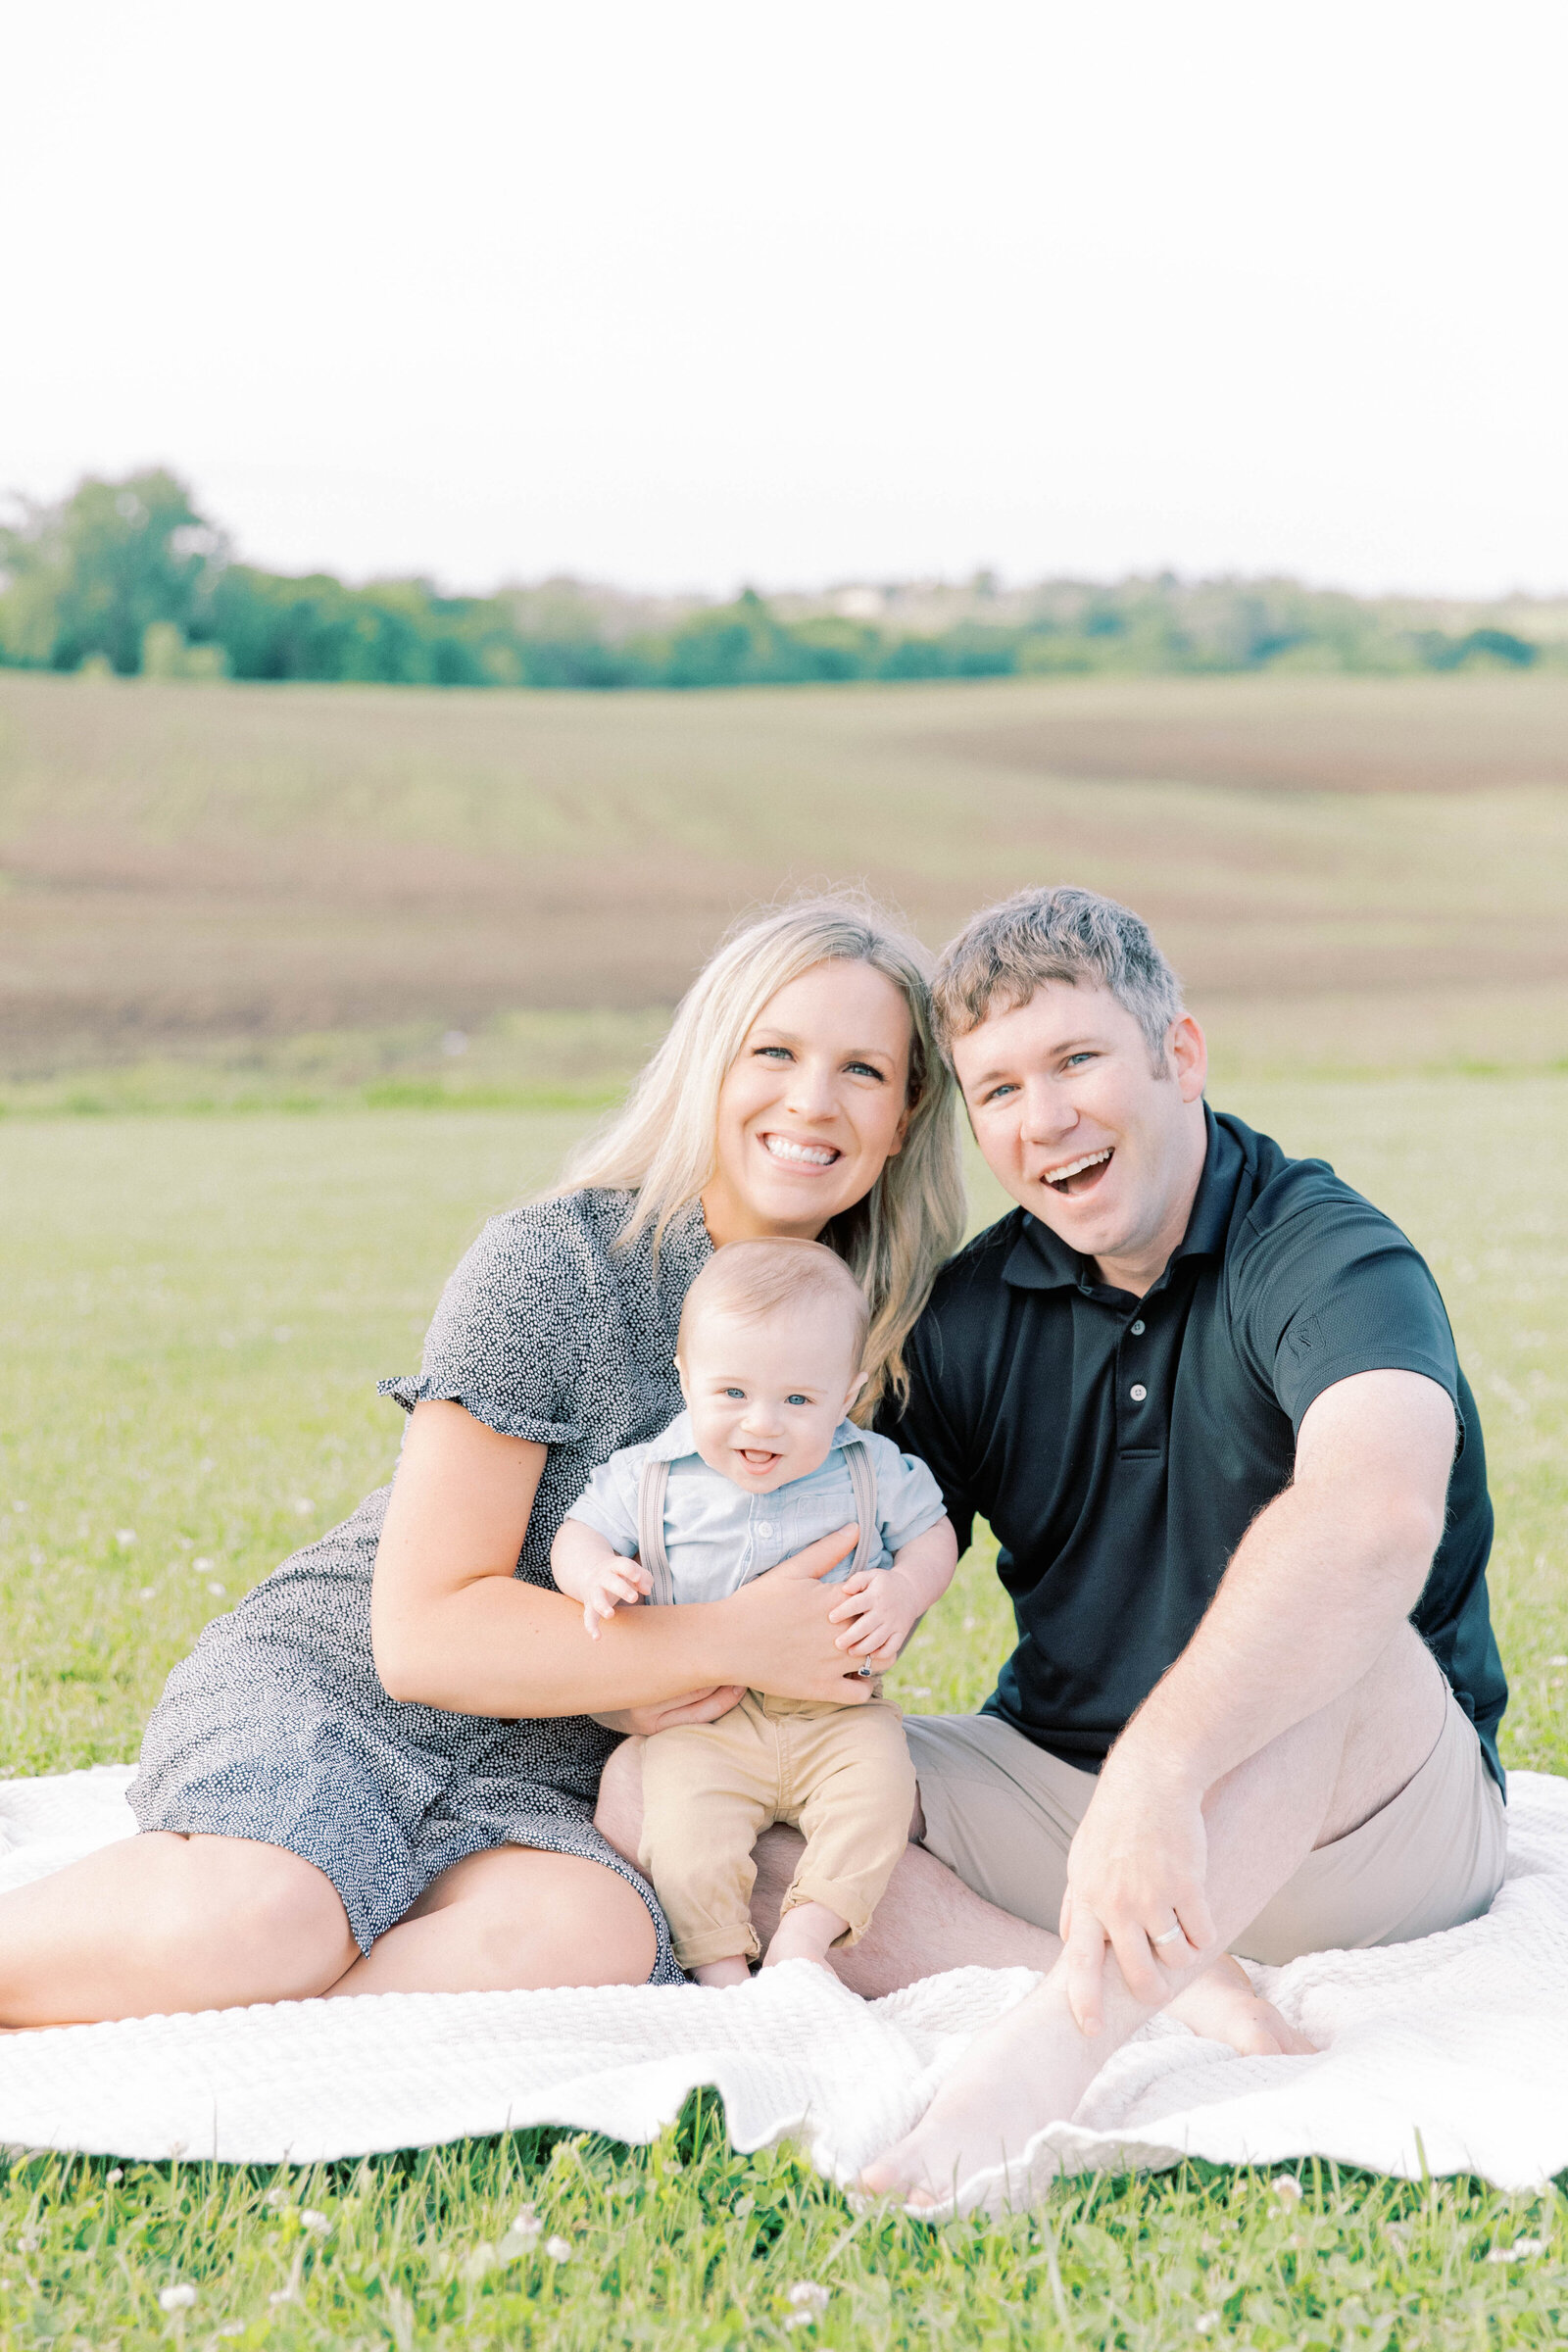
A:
[1452,2053]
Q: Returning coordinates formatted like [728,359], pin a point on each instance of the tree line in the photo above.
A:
[129,577]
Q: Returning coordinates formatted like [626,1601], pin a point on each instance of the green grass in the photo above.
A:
[192,1317]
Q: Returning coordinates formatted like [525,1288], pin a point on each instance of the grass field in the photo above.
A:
[194,1313]
[275,893]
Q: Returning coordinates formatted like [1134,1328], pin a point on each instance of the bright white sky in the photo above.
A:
[703,292]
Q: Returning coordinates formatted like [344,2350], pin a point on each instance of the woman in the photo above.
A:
[377,1773]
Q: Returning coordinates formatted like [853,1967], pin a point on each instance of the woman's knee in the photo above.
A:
[236,1900]
[560,1921]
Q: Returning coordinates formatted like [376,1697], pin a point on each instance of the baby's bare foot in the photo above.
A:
[809,1932]
[1223,2007]
[736,1971]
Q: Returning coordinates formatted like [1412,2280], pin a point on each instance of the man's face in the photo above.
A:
[1077,1125]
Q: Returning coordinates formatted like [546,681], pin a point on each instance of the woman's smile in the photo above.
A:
[797,1151]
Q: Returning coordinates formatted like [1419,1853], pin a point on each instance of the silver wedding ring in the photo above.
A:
[1171,1936]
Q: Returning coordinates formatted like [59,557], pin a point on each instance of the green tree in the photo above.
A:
[91,575]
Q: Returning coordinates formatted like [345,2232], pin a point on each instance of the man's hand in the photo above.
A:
[879,1609]
[1134,1880]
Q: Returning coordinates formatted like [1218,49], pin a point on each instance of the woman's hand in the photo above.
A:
[778,1634]
[879,1610]
[697,1707]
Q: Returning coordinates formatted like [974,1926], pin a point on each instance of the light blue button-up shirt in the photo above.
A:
[718,1536]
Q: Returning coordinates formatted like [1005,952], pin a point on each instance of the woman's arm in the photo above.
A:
[452,1627]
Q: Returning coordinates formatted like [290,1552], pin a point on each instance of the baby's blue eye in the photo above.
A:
[797,1399]
[734,1392]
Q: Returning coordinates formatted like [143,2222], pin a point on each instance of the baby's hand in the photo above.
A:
[881,1607]
[610,1583]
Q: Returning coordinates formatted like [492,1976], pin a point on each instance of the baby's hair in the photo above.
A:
[754,1279]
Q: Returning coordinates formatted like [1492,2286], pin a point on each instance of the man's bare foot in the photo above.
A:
[1029,2069]
[1033,2067]
[736,1971]
[808,1932]
[1222,2006]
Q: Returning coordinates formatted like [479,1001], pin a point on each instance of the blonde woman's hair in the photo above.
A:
[754,1279]
[661,1147]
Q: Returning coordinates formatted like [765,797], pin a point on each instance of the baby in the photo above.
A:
[761,1463]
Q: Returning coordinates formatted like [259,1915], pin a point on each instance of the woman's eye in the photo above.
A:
[1073,1060]
[774,1053]
[864,1069]
[1000,1094]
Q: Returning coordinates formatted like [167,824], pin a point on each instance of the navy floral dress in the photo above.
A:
[276,1726]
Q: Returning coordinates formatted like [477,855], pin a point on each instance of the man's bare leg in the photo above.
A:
[929,1921]
[1313,1785]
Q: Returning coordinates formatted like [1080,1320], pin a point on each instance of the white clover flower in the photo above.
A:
[1205,2323]
[117,2175]
[275,2197]
[558,2249]
[311,2220]
[810,2301]
[232,2328]
[177,2298]
[527,2225]
[1523,2249]
[1287,2189]
[282,2294]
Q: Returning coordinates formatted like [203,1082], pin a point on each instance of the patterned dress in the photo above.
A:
[276,1726]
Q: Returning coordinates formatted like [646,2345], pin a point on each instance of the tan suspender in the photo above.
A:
[651,1487]
[653,1483]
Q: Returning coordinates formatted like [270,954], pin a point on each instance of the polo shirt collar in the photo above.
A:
[1040,1260]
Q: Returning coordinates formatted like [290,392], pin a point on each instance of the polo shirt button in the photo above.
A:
[1137,1328]
[764,1527]
[1138,1393]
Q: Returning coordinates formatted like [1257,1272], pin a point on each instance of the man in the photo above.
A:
[1208,1399]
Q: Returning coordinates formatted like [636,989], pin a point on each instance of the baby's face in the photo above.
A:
[765,1397]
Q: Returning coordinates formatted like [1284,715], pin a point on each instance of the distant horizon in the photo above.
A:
[825,583]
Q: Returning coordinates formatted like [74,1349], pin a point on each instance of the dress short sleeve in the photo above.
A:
[513,1337]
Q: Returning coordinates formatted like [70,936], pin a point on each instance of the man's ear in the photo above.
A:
[1188,1054]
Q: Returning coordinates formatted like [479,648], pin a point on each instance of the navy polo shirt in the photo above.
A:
[1120,1447]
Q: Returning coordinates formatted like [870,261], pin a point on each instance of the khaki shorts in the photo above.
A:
[1001,1813]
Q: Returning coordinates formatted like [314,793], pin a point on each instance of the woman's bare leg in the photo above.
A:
[161,1924]
[511,1920]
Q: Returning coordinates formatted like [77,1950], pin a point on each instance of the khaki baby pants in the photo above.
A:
[842,1775]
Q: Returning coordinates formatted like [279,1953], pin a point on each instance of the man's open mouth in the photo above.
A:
[800,1155]
[1077,1176]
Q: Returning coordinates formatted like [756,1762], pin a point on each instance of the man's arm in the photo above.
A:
[1314,1591]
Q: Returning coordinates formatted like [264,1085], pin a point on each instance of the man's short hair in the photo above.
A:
[756,1279]
[1003,954]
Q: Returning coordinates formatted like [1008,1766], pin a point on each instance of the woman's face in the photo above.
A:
[813,1106]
